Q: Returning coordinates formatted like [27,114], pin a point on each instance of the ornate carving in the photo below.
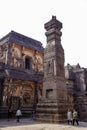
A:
[28,95]
[50,67]
[15,57]
[2,54]
[39,94]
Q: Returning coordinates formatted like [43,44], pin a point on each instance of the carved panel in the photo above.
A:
[49,68]
[49,93]
[2,54]
[28,95]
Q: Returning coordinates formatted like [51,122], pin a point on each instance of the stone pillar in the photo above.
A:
[8,54]
[53,107]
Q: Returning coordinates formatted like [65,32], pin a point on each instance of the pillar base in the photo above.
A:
[54,112]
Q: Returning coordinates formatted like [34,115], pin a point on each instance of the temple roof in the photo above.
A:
[22,40]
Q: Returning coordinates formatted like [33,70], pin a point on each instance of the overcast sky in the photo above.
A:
[29,16]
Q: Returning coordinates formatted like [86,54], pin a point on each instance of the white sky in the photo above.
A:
[29,16]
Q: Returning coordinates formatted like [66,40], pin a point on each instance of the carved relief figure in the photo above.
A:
[2,54]
[39,64]
[27,98]
[39,94]
[5,96]
[28,95]
[35,64]
[49,67]
[15,57]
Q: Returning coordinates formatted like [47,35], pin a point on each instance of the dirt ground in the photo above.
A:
[29,124]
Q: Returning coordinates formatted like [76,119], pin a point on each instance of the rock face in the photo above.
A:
[54,99]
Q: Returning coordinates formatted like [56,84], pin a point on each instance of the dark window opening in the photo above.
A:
[27,63]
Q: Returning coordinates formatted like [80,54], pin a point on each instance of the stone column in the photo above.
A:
[53,107]
[8,54]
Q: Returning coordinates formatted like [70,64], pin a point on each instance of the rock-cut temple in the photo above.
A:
[22,74]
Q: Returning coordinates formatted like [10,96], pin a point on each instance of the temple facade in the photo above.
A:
[21,71]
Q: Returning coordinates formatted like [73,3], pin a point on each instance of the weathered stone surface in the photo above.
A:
[21,66]
[21,72]
[76,84]
[54,99]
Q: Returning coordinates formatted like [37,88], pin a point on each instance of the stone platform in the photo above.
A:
[51,112]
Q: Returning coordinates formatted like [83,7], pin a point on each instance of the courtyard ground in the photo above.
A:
[29,124]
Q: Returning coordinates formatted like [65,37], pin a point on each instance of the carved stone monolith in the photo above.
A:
[53,106]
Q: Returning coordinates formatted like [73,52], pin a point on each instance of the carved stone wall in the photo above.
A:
[77,88]
[20,93]
[14,55]
[22,59]
[24,92]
